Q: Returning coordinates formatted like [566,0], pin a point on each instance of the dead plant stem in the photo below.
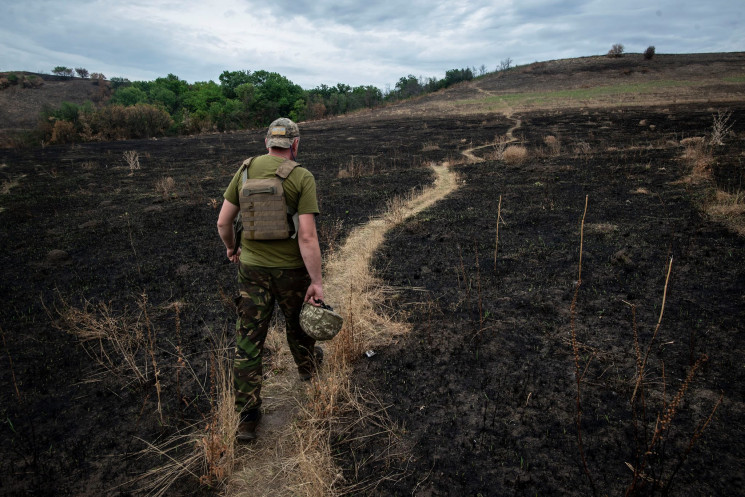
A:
[496,241]
[654,335]
[10,360]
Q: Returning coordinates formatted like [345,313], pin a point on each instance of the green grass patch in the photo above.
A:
[735,79]
[578,94]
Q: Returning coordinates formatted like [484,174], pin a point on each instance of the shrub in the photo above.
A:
[63,132]
[4,83]
[649,52]
[165,187]
[553,144]
[12,78]
[616,51]
[515,154]
[82,72]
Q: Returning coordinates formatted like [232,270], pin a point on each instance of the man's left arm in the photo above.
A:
[311,252]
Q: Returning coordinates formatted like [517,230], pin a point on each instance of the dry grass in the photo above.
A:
[500,144]
[697,155]
[729,209]
[552,144]
[204,452]
[8,184]
[114,341]
[165,187]
[429,147]
[515,155]
[720,127]
[355,168]
[132,159]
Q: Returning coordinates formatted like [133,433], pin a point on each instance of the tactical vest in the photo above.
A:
[264,211]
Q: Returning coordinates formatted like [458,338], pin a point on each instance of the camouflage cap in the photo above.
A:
[281,133]
[320,323]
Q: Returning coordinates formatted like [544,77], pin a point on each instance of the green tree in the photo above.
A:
[62,71]
[202,95]
[129,95]
[230,80]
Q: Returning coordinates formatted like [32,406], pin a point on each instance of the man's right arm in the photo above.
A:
[225,229]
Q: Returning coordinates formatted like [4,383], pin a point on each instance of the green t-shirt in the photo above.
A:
[300,195]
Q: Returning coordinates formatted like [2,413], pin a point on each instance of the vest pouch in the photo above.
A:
[264,210]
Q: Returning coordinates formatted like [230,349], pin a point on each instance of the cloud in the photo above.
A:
[322,42]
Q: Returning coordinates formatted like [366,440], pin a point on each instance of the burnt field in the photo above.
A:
[482,390]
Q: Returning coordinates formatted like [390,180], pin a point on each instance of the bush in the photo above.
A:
[649,52]
[82,72]
[63,132]
[515,154]
[616,51]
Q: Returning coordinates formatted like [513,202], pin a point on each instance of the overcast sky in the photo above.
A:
[356,42]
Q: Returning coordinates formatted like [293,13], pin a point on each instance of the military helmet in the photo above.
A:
[320,322]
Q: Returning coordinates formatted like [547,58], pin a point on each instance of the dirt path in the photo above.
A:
[266,466]
[509,139]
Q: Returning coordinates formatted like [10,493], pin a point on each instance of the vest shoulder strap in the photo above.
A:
[244,167]
[284,169]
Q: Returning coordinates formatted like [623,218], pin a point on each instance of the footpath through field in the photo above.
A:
[277,464]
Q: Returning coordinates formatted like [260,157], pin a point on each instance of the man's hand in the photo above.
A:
[314,294]
[234,257]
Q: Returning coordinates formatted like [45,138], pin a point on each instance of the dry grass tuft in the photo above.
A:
[720,127]
[166,187]
[430,147]
[729,208]
[355,168]
[698,156]
[113,341]
[515,155]
[132,158]
[553,144]
[8,184]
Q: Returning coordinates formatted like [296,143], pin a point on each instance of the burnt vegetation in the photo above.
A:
[575,306]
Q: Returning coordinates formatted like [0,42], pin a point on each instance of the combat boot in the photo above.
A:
[306,375]
[247,428]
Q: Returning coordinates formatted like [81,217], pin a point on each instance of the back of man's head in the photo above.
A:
[281,133]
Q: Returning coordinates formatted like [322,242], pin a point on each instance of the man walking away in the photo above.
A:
[279,261]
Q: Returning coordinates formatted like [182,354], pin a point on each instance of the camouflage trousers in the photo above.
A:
[260,288]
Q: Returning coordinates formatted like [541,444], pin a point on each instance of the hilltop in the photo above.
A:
[627,80]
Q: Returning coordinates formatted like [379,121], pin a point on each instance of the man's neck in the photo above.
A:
[285,153]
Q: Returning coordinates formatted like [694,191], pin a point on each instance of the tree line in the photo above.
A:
[240,100]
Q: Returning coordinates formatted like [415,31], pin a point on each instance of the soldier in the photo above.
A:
[279,260]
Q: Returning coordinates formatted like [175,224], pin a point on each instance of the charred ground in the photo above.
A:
[483,387]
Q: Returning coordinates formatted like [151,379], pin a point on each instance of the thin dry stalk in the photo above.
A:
[478,290]
[575,349]
[654,335]
[151,350]
[664,421]
[496,241]
[10,361]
